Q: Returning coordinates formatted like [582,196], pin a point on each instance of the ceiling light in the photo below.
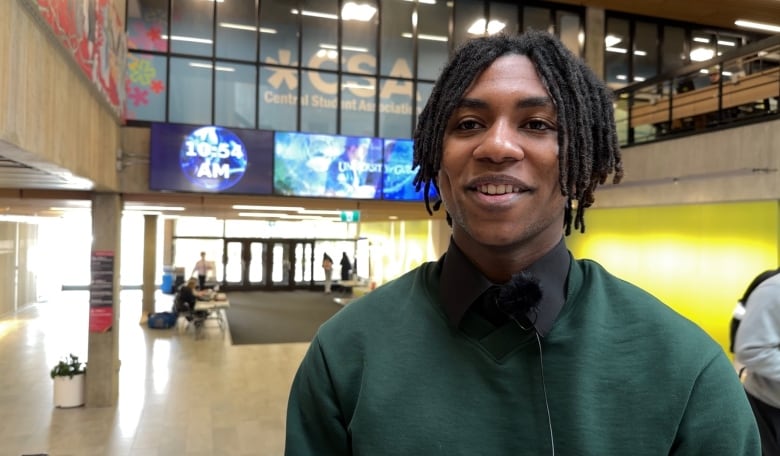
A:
[248,207]
[617,50]
[314,14]
[611,40]
[154,208]
[189,39]
[726,43]
[427,2]
[640,53]
[757,25]
[423,36]
[343,47]
[701,54]
[479,27]
[250,28]
[700,39]
[357,12]
[318,212]
[209,66]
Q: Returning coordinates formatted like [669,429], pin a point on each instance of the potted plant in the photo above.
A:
[69,386]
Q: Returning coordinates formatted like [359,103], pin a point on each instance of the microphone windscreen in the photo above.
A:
[519,295]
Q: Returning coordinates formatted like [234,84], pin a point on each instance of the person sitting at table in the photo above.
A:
[185,300]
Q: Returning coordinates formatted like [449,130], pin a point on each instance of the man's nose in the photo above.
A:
[501,142]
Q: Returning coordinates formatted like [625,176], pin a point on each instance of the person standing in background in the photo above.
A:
[346,266]
[202,269]
[757,349]
[327,266]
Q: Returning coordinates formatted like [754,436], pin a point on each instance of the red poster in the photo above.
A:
[101,319]
[101,291]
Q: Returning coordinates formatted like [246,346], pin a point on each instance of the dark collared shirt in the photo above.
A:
[462,285]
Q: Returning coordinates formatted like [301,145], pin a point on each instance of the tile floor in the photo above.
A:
[178,396]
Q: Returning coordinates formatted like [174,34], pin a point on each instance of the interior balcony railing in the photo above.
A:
[730,90]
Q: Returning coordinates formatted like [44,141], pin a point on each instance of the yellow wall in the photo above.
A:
[399,246]
[698,259]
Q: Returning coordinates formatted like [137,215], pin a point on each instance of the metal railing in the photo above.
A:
[733,89]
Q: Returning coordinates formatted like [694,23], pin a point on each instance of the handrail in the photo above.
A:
[743,86]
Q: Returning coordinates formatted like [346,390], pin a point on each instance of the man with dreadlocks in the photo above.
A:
[507,345]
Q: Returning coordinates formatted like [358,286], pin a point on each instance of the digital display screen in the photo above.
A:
[307,164]
[210,159]
[398,178]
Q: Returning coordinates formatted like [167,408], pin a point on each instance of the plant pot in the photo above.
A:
[69,391]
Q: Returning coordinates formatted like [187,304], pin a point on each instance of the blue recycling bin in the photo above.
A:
[167,283]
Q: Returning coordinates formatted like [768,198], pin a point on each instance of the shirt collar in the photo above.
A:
[462,284]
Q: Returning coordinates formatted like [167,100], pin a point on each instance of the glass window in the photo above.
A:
[236,30]
[616,44]
[278,98]
[358,46]
[190,91]
[423,93]
[673,48]
[278,33]
[147,22]
[191,28]
[318,101]
[396,38]
[536,19]
[570,31]
[645,53]
[395,109]
[432,38]
[468,14]
[358,105]
[146,87]
[506,14]
[319,33]
[235,94]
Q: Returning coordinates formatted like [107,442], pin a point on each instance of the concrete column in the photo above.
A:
[102,382]
[169,227]
[595,27]
[150,257]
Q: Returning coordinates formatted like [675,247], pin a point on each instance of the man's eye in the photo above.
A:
[468,125]
[537,125]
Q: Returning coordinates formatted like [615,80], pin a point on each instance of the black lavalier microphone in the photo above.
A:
[519,299]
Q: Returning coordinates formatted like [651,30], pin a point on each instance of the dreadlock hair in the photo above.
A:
[588,148]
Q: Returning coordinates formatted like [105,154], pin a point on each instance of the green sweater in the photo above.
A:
[624,375]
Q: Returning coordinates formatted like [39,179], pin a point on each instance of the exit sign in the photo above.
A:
[350,216]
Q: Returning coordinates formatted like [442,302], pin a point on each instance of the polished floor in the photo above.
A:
[178,395]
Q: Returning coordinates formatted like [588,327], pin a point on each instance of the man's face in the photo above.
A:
[499,170]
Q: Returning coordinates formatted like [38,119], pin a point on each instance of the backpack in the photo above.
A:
[739,311]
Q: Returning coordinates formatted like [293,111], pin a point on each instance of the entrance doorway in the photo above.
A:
[268,264]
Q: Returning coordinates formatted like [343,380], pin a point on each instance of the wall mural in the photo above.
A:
[92,33]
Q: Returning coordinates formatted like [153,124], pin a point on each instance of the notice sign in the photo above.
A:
[101,291]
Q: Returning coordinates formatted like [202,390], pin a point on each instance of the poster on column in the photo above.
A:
[101,292]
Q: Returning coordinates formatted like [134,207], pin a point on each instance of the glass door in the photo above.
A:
[244,262]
